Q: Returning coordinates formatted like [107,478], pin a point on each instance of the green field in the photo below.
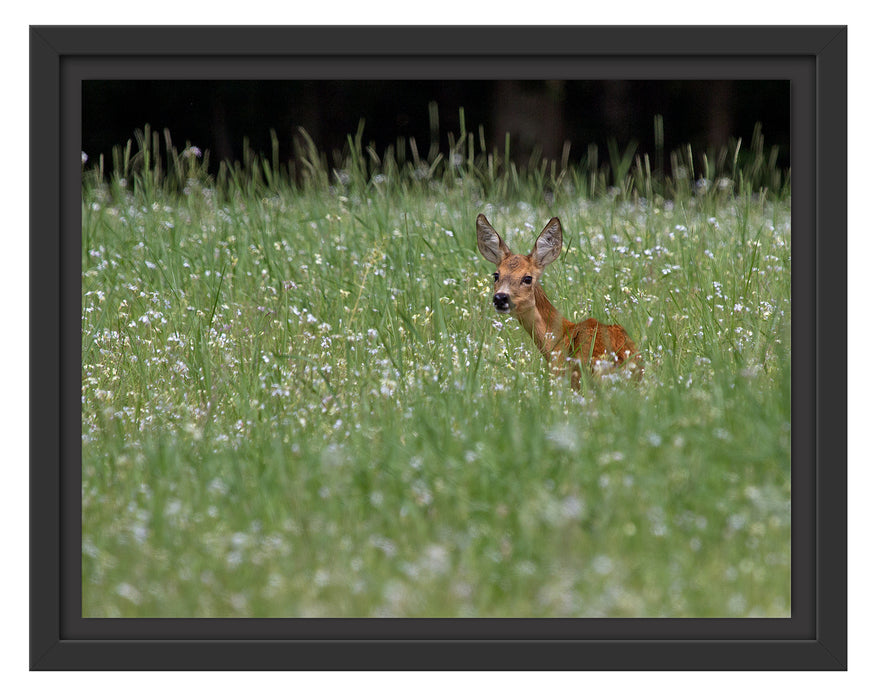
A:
[298,400]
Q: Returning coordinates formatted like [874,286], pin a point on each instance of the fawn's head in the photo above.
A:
[517,275]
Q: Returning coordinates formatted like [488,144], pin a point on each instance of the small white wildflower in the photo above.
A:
[218,486]
[572,507]
[564,437]
[737,521]
[603,565]
[129,592]
[239,539]
[737,604]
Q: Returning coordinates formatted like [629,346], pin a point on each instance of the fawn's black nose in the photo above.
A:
[502,301]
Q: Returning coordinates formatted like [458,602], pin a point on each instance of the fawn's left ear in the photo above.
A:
[549,244]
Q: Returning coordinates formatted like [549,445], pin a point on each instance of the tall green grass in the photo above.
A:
[298,400]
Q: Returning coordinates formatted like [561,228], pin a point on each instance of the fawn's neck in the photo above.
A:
[544,323]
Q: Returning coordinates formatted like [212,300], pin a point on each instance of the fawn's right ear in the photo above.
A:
[490,243]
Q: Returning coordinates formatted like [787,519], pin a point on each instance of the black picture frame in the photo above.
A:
[813,59]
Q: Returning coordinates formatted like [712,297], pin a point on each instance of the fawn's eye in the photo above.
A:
[496,276]
[527,280]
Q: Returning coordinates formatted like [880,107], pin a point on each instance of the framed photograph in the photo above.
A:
[438,348]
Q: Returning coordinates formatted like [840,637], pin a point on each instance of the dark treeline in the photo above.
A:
[218,116]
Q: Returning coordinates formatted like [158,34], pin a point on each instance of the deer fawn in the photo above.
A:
[565,345]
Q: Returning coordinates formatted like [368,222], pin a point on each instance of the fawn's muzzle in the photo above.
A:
[502,302]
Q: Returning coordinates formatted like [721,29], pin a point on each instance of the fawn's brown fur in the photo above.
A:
[565,345]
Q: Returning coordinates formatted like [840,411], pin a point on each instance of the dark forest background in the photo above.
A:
[219,116]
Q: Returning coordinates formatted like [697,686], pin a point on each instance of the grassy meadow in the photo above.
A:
[298,400]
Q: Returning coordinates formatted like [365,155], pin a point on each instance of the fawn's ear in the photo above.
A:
[549,244]
[490,243]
